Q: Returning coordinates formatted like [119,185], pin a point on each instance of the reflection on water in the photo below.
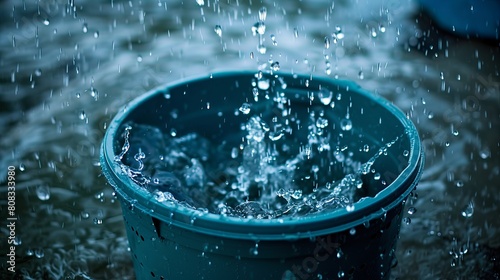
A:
[67,66]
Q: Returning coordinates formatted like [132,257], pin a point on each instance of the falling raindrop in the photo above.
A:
[43,192]
[82,115]
[262,14]
[218,30]
[245,108]
[275,66]
[468,210]
[295,32]
[346,124]
[327,43]
[85,28]
[361,75]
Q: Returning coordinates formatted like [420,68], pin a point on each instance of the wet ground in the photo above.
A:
[67,66]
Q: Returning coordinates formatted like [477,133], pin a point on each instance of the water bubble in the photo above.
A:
[406,153]
[346,124]
[245,108]
[43,192]
[85,28]
[366,148]
[352,231]
[468,210]
[262,14]
[218,30]
[412,210]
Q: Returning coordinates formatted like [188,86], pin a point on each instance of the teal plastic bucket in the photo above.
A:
[171,241]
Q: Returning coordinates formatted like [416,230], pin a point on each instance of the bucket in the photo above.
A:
[173,241]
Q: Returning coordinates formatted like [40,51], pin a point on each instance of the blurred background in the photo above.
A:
[67,66]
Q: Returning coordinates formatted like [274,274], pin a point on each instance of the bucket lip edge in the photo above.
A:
[413,169]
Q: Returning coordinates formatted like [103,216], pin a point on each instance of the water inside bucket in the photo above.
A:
[263,170]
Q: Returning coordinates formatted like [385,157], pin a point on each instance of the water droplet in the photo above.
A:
[259,28]
[97,221]
[251,55]
[340,254]
[361,76]
[406,153]
[166,95]
[406,221]
[459,183]
[340,274]
[218,30]
[412,210]
[29,252]
[321,122]
[295,32]
[366,148]
[352,231]
[85,28]
[200,2]
[234,152]
[485,153]
[275,66]
[43,192]
[468,210]
[327,42]
[39,253]
[346,124]
[255,250]
[96,34]
[139,58]
[46,21]
[350,207]
[82,115]
[85,215]
[381,27]
[297,194]
[325,96]
[273,39]
[245,108]
[38,72]
[262,14]
[22,167]
[263,84]
[262,49]
[373,33]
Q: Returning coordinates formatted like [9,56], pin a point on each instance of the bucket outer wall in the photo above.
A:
[170,242]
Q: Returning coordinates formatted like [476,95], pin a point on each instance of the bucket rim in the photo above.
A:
[366,209]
